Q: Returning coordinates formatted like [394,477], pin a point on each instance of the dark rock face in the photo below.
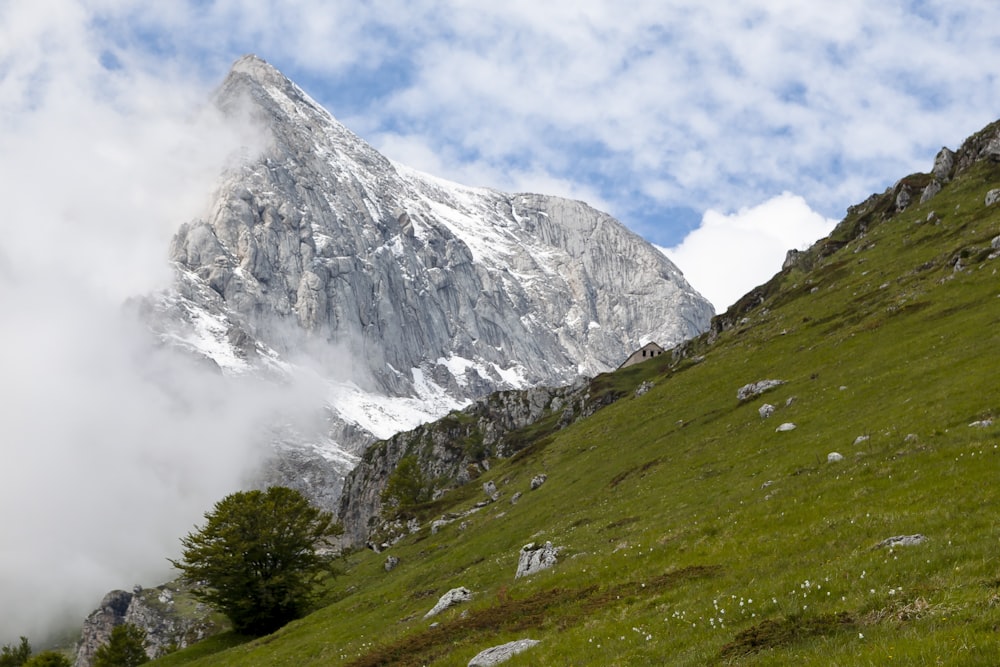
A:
[458,447]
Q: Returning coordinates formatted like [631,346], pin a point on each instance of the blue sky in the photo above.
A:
[726,133]
[659,115]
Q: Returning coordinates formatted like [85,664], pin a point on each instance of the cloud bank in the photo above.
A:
[728,252]
[112,449]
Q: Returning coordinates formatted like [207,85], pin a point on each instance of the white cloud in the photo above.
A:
[728,255]
[111,449]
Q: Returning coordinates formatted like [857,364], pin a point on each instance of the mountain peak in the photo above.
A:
[257,69]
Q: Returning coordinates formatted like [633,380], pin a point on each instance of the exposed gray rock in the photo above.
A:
[98,626]
[792,258]
[491,422]
[861,439]
[538,480]
[930,190]
[438,524]
[992,197]
[787,426]
[903,199]
[981,423]
[150,609]
[995,243]
[450,599]
[833,457]
[490,489]
[514,498]
[901,541]
[643,388]
[503,653]
[755,389]
[944,163]
[390,563]
[765,410]
[534,558]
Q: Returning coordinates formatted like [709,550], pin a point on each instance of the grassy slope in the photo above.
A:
[694,533]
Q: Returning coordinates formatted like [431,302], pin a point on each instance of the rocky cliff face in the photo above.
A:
[410,295]
[156,612]
[457,448]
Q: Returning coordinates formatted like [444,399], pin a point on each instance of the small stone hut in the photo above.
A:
[647,351]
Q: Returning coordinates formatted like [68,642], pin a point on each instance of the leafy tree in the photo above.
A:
[125,648]
[49,659]
[256,558]
[407,485]
[15,656]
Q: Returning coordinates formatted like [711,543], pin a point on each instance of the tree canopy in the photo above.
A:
[49,659]
[15,655]
[125,648]
[256,558]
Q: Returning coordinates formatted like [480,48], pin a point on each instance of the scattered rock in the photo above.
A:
[995,243]
[944,162]
[390,563]
[903,199]
[932,189]
[767,484]
[790,400]
[992,197]
[450,599]
[490,489]
[861,439]
[514,498]
[438,524]
[755,389]
[502,653]
[982,423]
[911,438]
[643,388]
[534,558]
[765,410]
[901,541]
[787,426]
[538,480]
[833,457]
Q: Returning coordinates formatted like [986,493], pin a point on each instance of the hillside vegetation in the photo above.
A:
[692,531]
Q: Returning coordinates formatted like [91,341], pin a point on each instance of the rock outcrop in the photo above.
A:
[499,654]
[154,611]
[450,599]
[535,558]
[456,449]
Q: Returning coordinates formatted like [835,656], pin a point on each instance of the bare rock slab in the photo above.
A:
[534,558]
[450,599]
[502,653]
[901,541]
[755,389]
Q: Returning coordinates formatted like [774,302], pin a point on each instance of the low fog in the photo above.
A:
[112,448]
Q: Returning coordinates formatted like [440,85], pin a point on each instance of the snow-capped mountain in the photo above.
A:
[404,295]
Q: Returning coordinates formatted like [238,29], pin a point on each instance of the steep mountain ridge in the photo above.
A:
[407,294]
[847,515]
